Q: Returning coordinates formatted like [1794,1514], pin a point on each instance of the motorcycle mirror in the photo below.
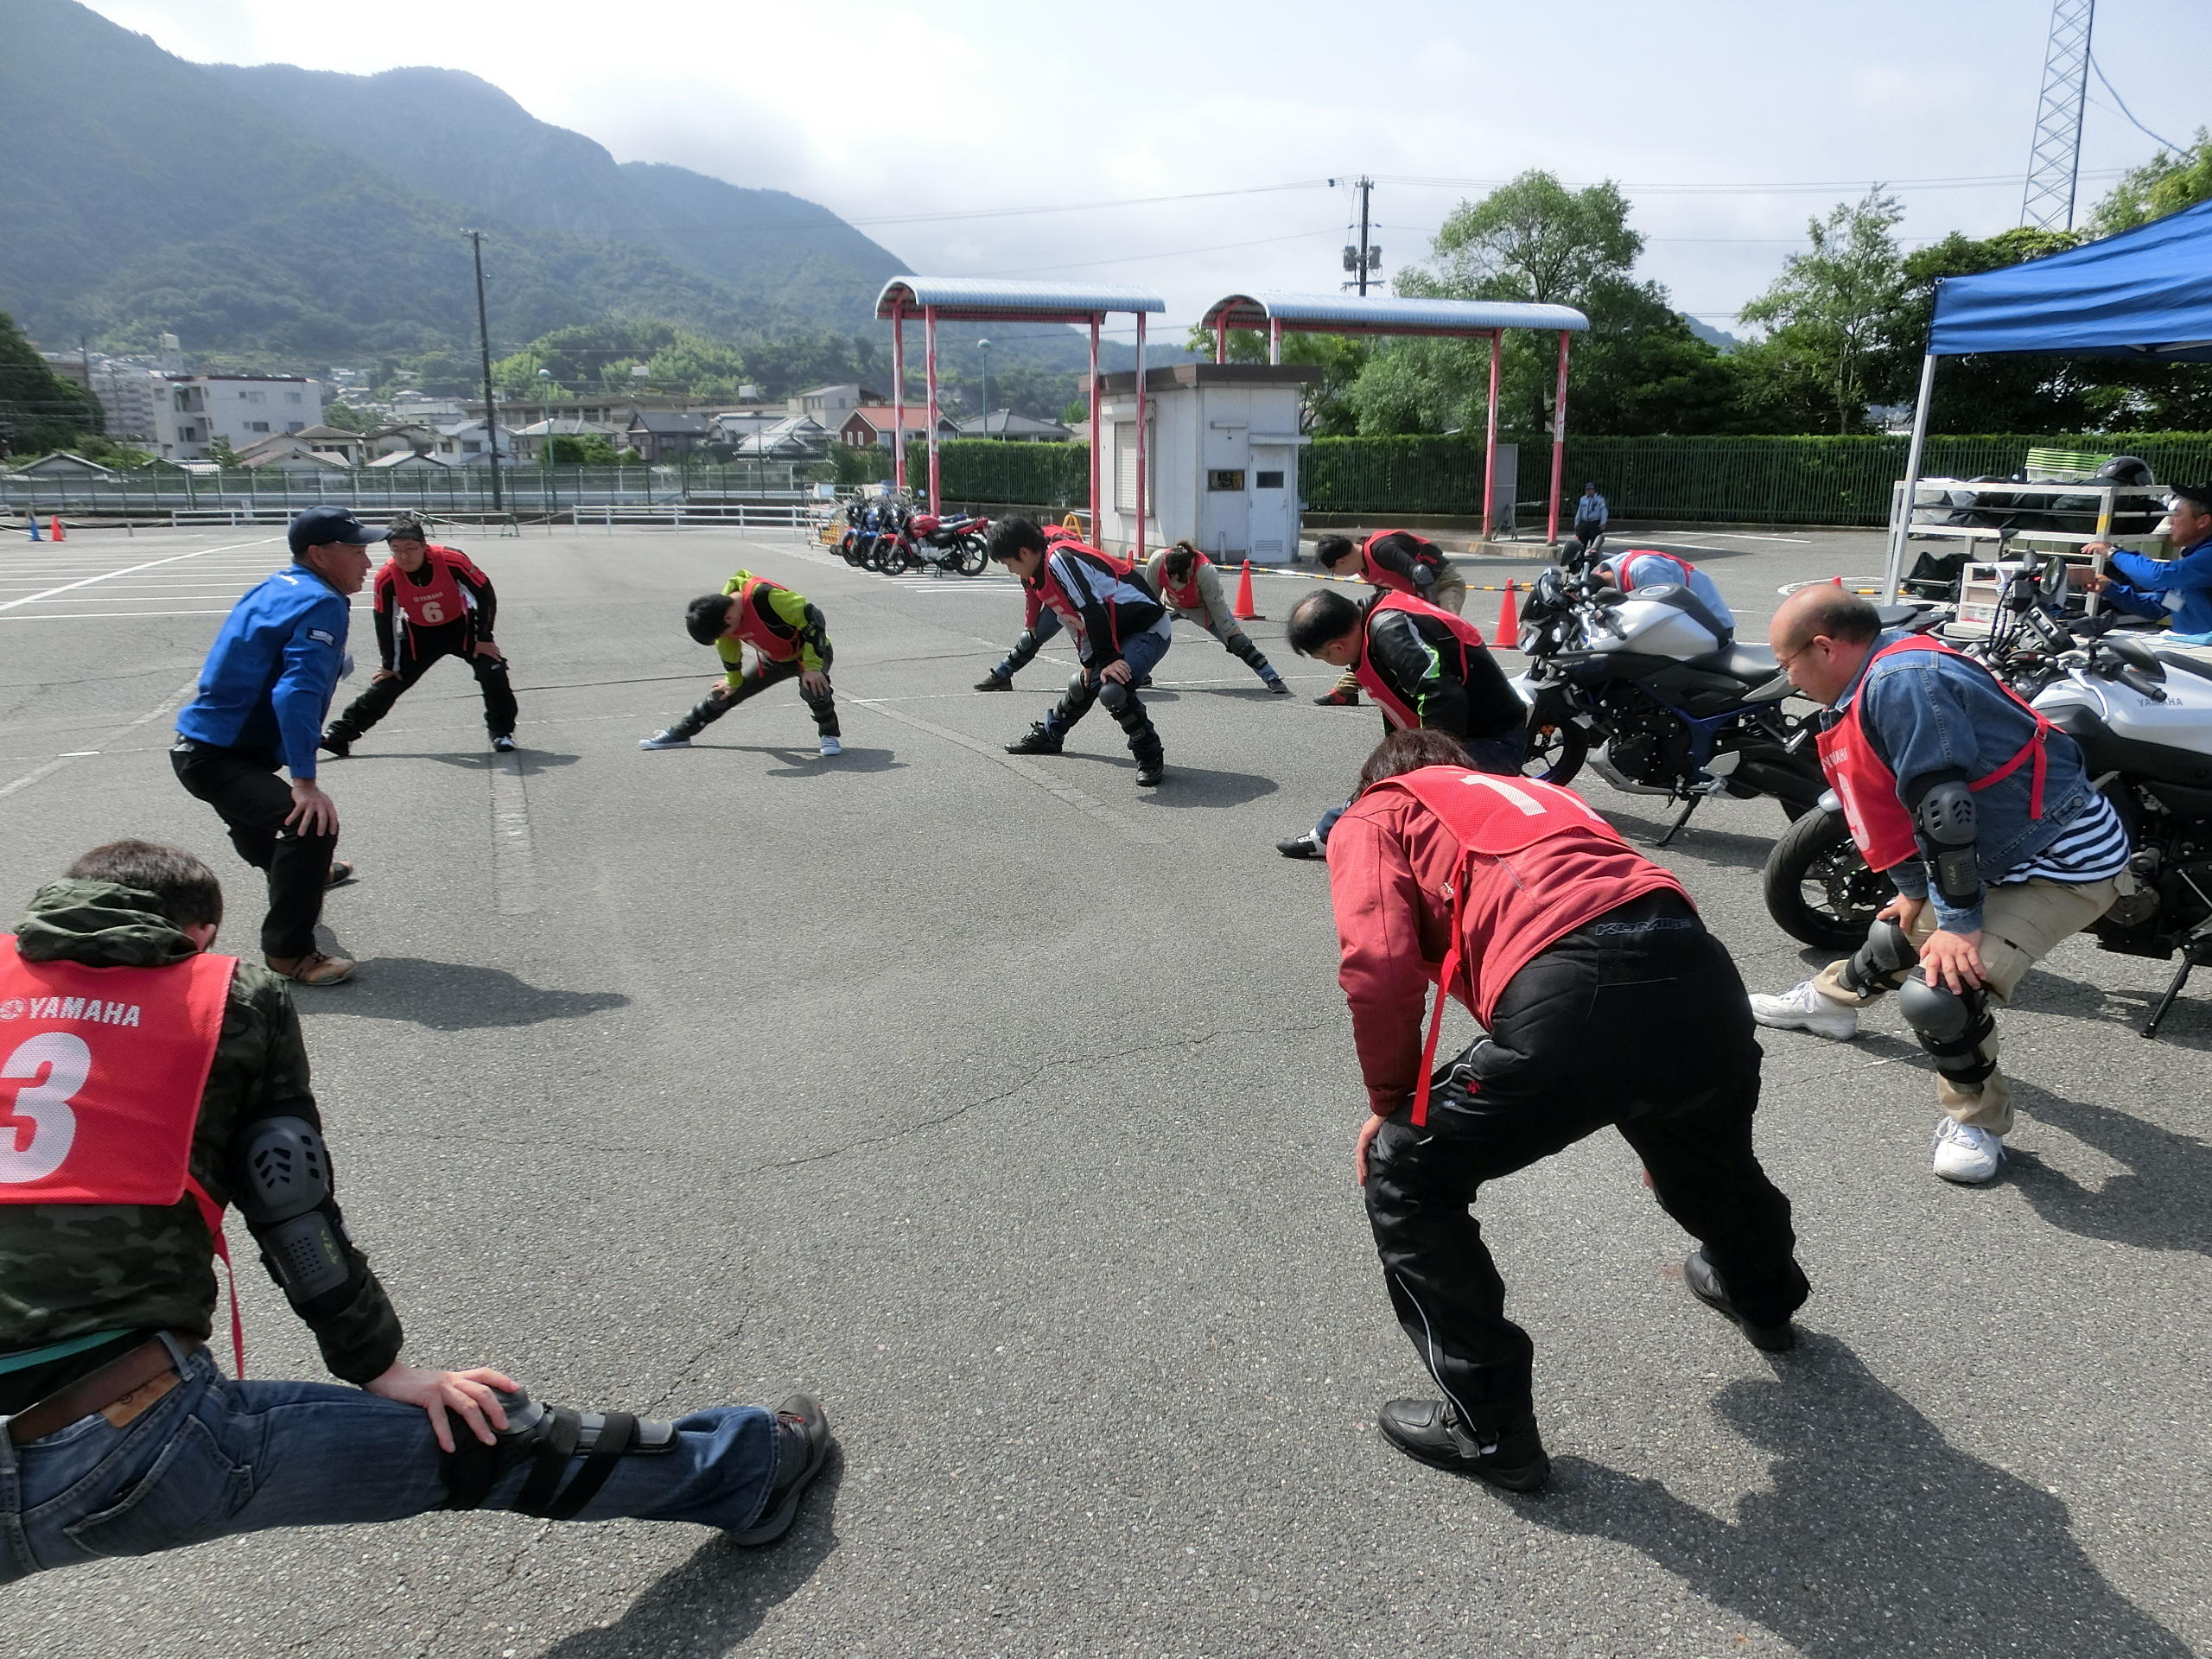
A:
[2135,654]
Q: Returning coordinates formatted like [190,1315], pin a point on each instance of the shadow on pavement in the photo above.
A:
[801,762]
[1726,847]
[718,1597]
[531,761]
[2155,1204]
[452,996]
[1186,786]
[1877,1536]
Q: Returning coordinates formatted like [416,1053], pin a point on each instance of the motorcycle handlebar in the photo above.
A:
[2136,680]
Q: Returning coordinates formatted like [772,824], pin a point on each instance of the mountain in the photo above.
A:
[287,213]
[1709,334]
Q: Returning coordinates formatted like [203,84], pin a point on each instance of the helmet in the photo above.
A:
[2125,469]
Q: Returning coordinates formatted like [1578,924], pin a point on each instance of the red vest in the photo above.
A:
[1051,594]
[1184,596]
[1493,819]
[1879,823]
[101,1072]
[772,636]
[436,602]
[1394,709]
[1426,553]
[1630,557]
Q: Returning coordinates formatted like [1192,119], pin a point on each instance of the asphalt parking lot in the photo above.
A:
[1010,1109]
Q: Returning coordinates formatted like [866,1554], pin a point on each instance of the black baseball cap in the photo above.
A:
[320,526]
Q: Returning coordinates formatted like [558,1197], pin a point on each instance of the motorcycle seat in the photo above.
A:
[1752,664]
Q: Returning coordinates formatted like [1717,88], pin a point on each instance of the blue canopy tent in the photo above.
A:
[2146,292]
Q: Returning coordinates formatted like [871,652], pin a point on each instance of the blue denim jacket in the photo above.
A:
[1928,712]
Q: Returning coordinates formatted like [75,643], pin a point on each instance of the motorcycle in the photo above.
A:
[954,543]
[865,521]
[2143,717]
[1646,688]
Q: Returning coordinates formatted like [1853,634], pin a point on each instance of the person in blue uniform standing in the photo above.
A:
[263,693]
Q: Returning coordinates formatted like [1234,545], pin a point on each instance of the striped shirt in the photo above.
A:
[2092,848]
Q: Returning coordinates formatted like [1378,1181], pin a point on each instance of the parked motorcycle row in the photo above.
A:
[890,533]
[1644,690]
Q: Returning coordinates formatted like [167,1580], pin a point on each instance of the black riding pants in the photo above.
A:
[1639,1021]
[757,679]
[419,649]
[254,802]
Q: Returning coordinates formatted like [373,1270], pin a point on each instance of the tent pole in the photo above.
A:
[1490,444]
[1901,510]
[929,333]
[1097,432]
[1141,436]
[899,395]
[1558,444]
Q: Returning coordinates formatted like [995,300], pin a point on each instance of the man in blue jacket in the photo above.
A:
[2179,587]
[263,694]
[1983,816]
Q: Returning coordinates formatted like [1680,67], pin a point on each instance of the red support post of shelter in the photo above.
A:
[899,397]
[929,335]
[1221,342]
[1097,320]
[1490,442]
[1141,502]
[1559,443]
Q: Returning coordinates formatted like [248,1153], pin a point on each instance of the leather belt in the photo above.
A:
[120,1391]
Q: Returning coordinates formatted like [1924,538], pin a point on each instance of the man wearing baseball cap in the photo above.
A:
[263,695]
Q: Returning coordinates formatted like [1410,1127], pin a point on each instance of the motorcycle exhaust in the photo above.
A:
[1603,763]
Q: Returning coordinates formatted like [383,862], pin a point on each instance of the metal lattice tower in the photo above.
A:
[2055,157]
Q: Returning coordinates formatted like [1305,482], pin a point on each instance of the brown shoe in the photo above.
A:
[313,969]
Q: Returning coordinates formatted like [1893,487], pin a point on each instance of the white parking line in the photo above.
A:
[133,569]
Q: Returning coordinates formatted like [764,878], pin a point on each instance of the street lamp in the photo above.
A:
[984,347]
[545,412]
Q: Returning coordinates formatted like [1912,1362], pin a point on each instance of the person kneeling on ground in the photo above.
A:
[1426,669]
[788,637]
[428,601]
[122,1436]
[1964,795]
[1120,629]
[1187,583]
[1605,1002]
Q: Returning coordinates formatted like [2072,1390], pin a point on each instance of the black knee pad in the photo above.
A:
[1952,1025]
[1882,963]
[1116,697]
[548,1438]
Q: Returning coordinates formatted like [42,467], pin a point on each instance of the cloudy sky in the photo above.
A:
[946,128]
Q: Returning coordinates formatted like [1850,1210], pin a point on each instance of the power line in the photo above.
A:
[999,212]
[2128,114]
[1963,181]
[1171,253]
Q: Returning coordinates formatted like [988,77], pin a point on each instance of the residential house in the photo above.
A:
[828,405]
[469,443]
[201,410]
[407,461]
[1010,427]
[405,438]
[530,441]
[795,437]
[62,464]
[733,426]
[288,452]
[348,449]
[662,436]
[872,424]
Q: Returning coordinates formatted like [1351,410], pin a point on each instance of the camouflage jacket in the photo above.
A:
[71,1269]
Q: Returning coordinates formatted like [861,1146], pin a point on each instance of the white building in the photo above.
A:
[1221,463]
[240,410]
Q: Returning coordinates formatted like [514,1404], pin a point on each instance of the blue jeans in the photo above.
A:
[1503,755]
[1142,652]
[213,1457]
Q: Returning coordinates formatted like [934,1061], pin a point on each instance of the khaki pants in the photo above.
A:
[2020,925]
[1450,593]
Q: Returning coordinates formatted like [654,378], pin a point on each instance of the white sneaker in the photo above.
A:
[663,741]
[1803,1008]
[830,745]
[1967,1156]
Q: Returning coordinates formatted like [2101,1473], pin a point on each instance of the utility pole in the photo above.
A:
[1365,260]
[2055,154]
[484,343]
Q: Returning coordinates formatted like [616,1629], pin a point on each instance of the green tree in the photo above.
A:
[583,449]
[1637,368]
[346,418]
[1992,392]
[1325,407]
[1829,314]
[221,454]
[2164,184]
[39,410]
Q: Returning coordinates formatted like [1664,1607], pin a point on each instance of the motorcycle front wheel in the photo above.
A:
[1818,888]
[889,558]
[1557,747]
[974,559]
[849,551]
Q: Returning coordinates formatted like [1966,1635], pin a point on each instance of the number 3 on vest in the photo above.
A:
[66,1061]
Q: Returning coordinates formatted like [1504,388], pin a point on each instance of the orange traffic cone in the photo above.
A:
[1838,580]
[54,524]
[1246,611]
[1508,617]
